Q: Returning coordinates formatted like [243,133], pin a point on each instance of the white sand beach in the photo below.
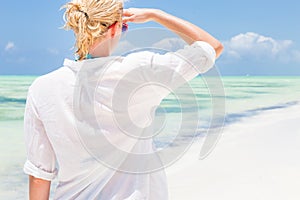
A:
[258,158]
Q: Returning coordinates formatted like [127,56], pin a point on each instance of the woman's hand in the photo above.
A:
[137,15]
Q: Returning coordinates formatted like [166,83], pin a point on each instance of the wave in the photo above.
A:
[12,118]
[4,99]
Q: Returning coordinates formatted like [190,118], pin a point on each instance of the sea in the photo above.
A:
[244,97]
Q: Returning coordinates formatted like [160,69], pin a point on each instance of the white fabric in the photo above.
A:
[52,140]
[30,168]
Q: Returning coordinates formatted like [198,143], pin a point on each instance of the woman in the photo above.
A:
[49,129]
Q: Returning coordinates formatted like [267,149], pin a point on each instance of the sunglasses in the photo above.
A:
[124,27]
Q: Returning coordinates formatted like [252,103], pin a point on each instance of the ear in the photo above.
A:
[114,29]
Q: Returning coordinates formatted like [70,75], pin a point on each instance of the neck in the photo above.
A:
[101,48]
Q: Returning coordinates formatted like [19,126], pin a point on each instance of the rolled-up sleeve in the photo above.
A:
[41,160]
[188,62]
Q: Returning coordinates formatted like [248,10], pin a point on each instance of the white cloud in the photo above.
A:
[259,48]
[9,46]
[53,51]
[247,47]
[296,55]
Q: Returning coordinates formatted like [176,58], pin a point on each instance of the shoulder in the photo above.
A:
[46,83]
[42,81]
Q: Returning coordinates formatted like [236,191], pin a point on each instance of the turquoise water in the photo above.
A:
[241,93]
[245,96]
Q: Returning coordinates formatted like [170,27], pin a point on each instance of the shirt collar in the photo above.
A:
[76,65]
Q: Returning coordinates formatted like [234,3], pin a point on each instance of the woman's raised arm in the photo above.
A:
[186,30]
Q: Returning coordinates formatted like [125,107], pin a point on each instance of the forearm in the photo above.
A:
[186,30]
[39,189]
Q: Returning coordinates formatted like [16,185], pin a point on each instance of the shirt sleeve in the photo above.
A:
[188,62]
[156,75]
[178,68]
[41,159]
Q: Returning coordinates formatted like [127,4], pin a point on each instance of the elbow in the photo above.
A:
[219,49]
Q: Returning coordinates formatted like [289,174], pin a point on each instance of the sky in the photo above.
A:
[261,37]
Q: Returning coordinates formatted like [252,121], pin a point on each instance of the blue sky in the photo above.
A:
[260,37]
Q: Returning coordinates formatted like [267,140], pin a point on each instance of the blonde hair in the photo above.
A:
[90,19]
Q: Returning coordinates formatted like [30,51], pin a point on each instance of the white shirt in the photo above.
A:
[54,148]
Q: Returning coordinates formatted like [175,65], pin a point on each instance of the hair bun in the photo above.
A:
[86,19]
[74,16]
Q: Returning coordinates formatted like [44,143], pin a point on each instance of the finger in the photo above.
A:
[127,13]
